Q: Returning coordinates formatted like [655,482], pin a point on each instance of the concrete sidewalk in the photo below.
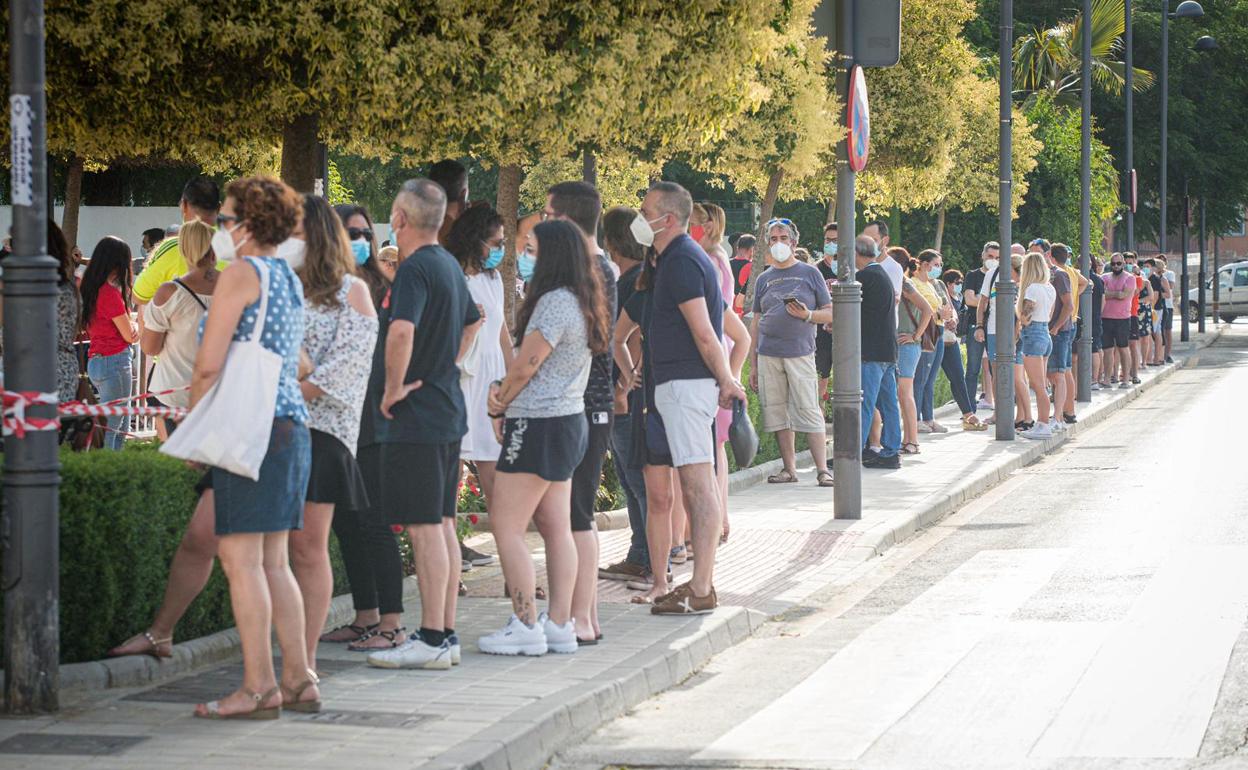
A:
[508,712]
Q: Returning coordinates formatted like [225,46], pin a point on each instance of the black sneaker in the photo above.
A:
[474,557]
[892,462]
[869,455]
[1070,419]
[1169,360]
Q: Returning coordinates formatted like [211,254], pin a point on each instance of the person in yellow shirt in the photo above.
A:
[201,199]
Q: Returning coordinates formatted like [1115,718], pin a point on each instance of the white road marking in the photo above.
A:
[1151,689]
[850,701]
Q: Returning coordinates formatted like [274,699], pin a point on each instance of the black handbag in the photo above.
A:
[742,436]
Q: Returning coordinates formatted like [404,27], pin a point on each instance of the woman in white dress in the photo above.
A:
[476,240]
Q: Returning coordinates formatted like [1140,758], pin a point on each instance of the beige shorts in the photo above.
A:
[788,394]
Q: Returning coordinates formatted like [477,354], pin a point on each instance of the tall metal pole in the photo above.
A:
[1217,279]
[1200,323]
[1083,375]
[1165,124]
[1129,74]
[31,471]
[1007,290]
[846,304]
[1186,332]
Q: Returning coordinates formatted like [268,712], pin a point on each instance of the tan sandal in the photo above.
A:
[825,479]
[783,477]
[290,696]
[970,422]
[155,647]
[212,710]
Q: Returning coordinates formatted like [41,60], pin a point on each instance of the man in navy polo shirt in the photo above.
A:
[691,374]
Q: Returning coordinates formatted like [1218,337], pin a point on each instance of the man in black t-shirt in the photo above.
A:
[823,336]
[741,258]
[879,357]
[427,320]
[972,294]
[579,203]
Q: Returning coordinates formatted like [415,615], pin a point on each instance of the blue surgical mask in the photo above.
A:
[830,248]
[361,251]
[836,266]
[957,290]
[934,273]
[495,258]
[525,265]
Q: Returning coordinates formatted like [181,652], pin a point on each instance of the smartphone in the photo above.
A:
[790,300]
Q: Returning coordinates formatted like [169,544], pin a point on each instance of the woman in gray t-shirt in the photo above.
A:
[539,413]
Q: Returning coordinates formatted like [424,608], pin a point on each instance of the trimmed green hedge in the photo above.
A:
[122,516]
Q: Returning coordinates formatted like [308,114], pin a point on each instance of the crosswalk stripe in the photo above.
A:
[850,701]
[1152,686]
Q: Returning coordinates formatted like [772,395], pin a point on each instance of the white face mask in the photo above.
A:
[294,251]
[990,264]
[781,252]
[223,245]
[642,230]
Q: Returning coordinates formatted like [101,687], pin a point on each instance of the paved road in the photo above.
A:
[1089,612]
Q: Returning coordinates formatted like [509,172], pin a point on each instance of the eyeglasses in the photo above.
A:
[356,233]
[223,219]
[1116,264]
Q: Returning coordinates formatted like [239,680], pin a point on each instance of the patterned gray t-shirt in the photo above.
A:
[558,388]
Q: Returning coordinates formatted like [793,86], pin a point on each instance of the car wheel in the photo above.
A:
[1193,313]
[1226,319]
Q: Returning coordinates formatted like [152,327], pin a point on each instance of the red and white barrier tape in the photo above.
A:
[16,422]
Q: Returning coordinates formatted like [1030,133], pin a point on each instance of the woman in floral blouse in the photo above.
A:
[339,335]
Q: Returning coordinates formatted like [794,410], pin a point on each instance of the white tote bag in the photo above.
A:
[230,426]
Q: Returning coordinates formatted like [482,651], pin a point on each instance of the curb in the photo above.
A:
[932,510]
[528,737]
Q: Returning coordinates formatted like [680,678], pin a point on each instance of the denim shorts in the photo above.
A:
[274,502]
[1035,340]
[1063,346]
[908,359]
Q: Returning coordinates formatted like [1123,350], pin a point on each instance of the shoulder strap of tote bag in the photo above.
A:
[257,332]
[194,296]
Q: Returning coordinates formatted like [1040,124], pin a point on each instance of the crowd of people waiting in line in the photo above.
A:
[399,370]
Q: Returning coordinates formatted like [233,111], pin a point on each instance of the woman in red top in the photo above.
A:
[110,327]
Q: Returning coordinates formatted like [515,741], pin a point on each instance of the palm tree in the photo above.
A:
[1049,59]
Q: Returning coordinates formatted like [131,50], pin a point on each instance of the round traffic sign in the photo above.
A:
[858,120]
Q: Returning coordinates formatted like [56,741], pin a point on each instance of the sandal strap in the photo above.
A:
[297,690]
[154,641]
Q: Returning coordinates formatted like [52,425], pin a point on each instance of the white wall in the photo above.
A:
[125,222]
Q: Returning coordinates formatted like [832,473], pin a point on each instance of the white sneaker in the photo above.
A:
[457,653]
[1038,433]
[1124,385]
[413,653]
[924,427]
[937,427]
[1057,426]
[560,639]
[985,405]
[515,638]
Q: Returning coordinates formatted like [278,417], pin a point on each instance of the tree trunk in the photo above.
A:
[894,225]
[301,157]
[73,200]
[509,178]
[589,166]
[940,227]
[830,217]
[760,251]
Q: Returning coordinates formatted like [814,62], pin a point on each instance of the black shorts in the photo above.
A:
[588,474]
[419,482]
[1096,335]
[335,477]
[1133,327]
[650,440]
[548,447]
[1116,332]
[823,354]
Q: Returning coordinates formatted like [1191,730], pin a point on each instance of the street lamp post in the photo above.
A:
[1007,290]
[1083,375]
[1183,279]
[1129,76]
[1200,277]
[30,530]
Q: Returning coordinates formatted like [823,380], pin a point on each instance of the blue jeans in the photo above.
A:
[925,380]
[974,361]
[951,364]
[879,391]
[634,484]
[112,376]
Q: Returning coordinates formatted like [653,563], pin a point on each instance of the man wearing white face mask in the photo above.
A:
[790,301]
[692,377]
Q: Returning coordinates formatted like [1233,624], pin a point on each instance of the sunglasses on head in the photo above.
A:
[224,219]
[786,222]
[356,233]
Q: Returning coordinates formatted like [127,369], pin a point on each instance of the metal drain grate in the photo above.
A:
[386,719]
[55,744]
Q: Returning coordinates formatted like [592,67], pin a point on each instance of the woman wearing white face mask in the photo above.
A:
[340,331]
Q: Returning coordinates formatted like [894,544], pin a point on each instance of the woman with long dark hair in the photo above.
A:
[476,241]
[362,240]
[106,317]
[539,410]
[340,332]
[68,314]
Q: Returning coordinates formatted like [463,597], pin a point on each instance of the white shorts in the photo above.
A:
[688,410]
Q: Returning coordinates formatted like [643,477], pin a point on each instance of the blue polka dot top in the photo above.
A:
[283,332]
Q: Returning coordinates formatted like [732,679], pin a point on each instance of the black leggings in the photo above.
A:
[370,550]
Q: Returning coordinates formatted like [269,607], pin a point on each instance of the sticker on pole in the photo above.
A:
[21,115]
[859,120]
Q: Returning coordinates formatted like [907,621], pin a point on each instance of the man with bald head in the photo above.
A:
[417,406]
